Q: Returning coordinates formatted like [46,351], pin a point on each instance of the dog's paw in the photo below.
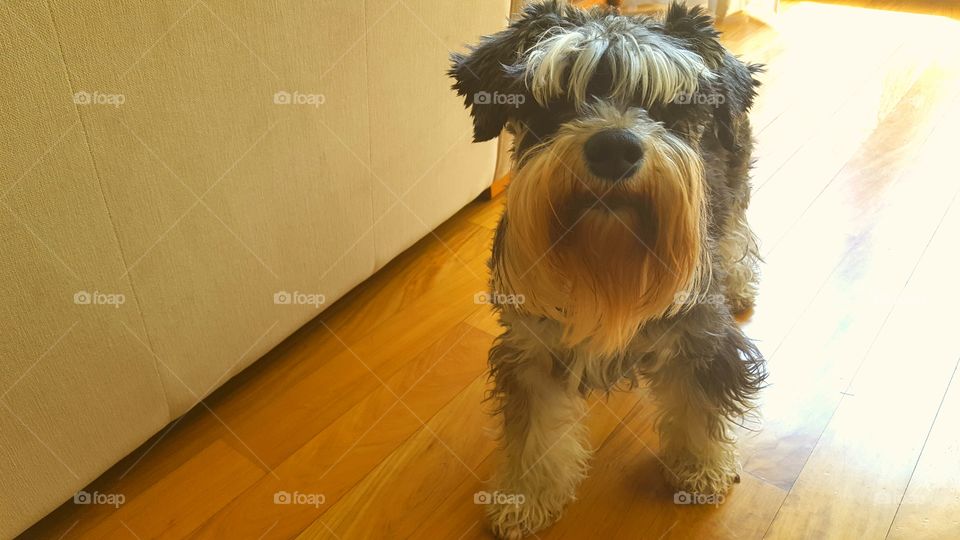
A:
[515,521]
[706,477]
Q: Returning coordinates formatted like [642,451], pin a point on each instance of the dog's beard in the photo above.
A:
[603,258]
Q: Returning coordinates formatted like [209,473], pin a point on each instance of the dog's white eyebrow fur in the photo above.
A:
[634,55]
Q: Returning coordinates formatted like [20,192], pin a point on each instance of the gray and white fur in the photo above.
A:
[625,232]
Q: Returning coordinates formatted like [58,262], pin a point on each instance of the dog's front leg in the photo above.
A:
[704,387]
[543,449]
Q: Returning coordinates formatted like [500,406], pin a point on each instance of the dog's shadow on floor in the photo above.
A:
[653,508]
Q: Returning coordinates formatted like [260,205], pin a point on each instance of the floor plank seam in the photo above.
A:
[923,447]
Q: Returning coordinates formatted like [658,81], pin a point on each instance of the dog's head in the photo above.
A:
[607,203]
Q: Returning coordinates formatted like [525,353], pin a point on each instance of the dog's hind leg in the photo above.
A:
[543,441]
[740,258]
[707,383]
[737,246]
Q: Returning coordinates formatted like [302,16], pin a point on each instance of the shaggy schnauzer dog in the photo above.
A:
[624,235]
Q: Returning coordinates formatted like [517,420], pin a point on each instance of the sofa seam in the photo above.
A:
[110,218]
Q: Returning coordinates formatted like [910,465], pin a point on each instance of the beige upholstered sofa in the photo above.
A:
[182,183]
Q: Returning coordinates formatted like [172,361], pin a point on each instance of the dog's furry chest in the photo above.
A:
[650,347]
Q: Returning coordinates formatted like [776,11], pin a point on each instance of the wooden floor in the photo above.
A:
[374,408]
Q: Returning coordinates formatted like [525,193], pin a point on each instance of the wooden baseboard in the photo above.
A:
[496,188]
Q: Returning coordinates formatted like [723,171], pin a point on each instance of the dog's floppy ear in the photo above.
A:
[483,73]
[737,87]
[494,67]
[731,80]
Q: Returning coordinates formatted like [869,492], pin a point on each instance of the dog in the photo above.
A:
[623,251]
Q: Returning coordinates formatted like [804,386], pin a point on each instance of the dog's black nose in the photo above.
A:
[613,154]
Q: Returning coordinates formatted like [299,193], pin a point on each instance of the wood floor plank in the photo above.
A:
[912,105]
[626,496]
[485,214]
[428,272]
[394,498]
[930,508]
[300,411]
[486,320]
[830,126]
[822,350]
[214,474]
[458,518]
[861,465]
[797,218]
[800,86]
[338,457]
